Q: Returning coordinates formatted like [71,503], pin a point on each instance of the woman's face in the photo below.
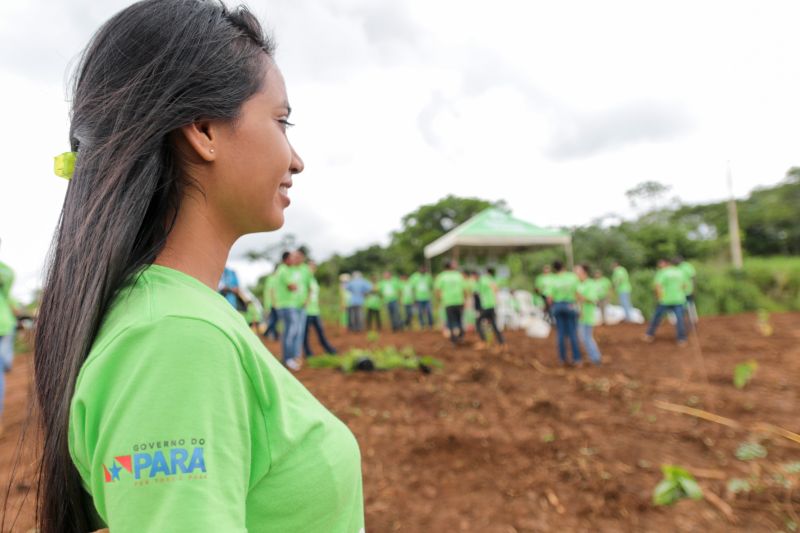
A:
[255,162]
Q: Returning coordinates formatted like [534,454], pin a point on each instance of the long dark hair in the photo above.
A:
[152,68]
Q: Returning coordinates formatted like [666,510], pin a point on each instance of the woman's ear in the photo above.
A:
[201,137]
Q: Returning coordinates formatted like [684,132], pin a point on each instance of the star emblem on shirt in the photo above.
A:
[115,469]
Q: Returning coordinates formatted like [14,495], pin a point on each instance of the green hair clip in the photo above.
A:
[64,165]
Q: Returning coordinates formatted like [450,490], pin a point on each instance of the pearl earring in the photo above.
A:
[211,150]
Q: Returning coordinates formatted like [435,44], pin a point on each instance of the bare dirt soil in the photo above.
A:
[511,442]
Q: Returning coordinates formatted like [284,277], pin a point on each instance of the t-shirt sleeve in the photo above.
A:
[163,426]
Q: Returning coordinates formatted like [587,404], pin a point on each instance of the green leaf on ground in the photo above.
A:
[743,373]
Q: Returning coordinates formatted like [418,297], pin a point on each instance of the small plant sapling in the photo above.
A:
[677,484]
[743,373]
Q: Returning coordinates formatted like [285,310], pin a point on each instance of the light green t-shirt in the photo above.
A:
[373,301]
[251,314]
[603,287]
[182,420]
[7,319]
[590,290]
[389,289]
[312,307]
[673,285]
[690,272]
[622,282]
[543,283]
[296,275]
[268,294]
[563,287]
[452,285]
[407,292]
[304,285]
[486,288]
[423,285]
[344,296]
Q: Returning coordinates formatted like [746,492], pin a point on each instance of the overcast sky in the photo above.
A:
[556,107]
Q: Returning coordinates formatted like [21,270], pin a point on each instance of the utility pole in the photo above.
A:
[733,225]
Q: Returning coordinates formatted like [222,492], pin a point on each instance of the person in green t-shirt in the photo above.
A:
[487,298]
[268,301]
[622,286]
[8,326]
[389,288]
[344,302]
[407,299]
[604,292]
[160,409]
[542,289]
[691,274]
[563,292]
[451,292]
[373,304]
[670,288]
[313,319]
[423,290]
[590,292]
[290,295]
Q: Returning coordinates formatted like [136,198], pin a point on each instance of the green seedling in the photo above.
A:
[747,451]
[677,484]
[791,468]
[385,358]
[743,373]
[738,485]
[548,438]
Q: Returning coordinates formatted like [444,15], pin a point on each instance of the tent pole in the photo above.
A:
[568,250]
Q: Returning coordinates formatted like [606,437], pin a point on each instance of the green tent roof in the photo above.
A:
[494,228]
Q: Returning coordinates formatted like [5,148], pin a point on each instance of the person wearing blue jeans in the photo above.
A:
[291,318]
[566,318]
[661,310]
[625,302]
[314,321]
[297,345]
[589,344]
[671,287]
[563,294]
[6,357]
[425,313]
[272,324]
[394,315]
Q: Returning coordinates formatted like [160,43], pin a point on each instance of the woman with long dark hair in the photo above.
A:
[161,410]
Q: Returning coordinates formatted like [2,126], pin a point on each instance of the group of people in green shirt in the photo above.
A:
[412,293]
[571,299]
[291,297]
[620,284]
[408,297]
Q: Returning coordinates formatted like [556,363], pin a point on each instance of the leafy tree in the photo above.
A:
[426,224]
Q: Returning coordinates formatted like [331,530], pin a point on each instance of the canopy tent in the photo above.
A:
[494,231]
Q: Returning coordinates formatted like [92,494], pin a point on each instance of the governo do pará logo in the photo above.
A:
[157,460]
